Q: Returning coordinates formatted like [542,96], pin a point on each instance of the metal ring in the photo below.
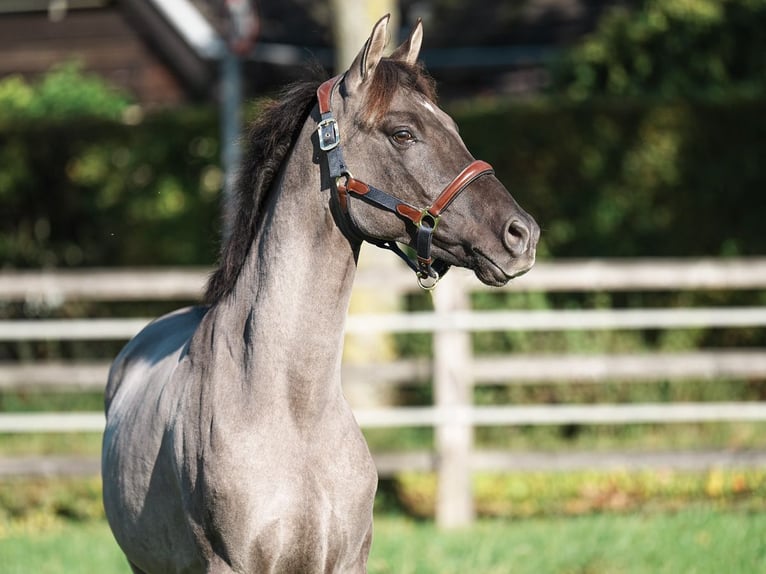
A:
[429,282]
[427,218]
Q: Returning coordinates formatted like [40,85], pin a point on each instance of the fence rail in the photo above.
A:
[454,369]
[497,370]
[427,322]
[397,417]
[57,286]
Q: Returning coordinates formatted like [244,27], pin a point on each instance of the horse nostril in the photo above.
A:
[517,237]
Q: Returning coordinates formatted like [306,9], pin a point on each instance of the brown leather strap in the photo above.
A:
[474,170]
[409,212]
[324,94]
[351,184]
[358,187]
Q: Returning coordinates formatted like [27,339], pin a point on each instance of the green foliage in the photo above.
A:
[50,401]
[101,193]
[613,180]
[574,493]
[80,187]
[33,503]
[64,92]
[671,48]
[623,179]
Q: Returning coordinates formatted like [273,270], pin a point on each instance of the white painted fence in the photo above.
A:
[454,370]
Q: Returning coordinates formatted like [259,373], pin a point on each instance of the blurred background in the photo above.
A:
[612,397]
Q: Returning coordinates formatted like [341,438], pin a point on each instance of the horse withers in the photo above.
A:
[229,446]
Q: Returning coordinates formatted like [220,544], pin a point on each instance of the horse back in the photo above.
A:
[160,339]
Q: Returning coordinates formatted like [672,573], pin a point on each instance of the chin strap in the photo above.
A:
[425,220]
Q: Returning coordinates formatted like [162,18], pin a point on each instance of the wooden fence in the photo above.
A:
[453,368]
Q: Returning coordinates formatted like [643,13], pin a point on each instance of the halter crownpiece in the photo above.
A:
[427,270]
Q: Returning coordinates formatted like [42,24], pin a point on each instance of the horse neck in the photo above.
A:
[281,328]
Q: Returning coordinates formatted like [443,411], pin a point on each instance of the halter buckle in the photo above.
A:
[329,136]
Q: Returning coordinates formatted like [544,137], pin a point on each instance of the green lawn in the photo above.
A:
[694,540]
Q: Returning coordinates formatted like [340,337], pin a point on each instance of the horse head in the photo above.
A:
[416,182]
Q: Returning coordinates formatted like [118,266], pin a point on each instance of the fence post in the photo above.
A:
[453,398]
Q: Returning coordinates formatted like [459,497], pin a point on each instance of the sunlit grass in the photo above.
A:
[33,444]
[698,539]
[61,547]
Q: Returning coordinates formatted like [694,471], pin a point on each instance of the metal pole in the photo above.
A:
[230,102]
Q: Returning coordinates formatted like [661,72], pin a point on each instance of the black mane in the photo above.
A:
[269,140]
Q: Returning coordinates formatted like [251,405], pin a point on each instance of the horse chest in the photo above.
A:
[288,506]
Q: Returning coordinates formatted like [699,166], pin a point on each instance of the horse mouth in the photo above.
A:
[491,273]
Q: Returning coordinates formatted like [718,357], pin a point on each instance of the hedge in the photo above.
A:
[604,178]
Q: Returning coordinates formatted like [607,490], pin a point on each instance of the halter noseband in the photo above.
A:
[425,220]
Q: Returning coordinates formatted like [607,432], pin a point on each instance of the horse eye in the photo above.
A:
[403,137]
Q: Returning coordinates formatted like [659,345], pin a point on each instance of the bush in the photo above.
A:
[584,492]
[64,92]
[671,49]
[100,193]
[630,178]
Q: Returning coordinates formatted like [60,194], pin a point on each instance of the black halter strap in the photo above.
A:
[425,220]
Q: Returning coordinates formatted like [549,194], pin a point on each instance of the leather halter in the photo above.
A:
[425,220]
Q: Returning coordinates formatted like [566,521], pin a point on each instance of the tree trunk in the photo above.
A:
[352,23]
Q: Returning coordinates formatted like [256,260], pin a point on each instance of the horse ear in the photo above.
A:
[410,49]
[364,64]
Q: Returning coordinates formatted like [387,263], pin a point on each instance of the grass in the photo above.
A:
[30,444]
[643,437]
[699,539]
[62,547]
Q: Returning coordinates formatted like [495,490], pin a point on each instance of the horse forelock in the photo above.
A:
[390,76]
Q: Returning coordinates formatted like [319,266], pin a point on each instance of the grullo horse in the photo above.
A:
[229,446]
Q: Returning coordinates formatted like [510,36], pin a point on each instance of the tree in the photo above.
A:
[671,48]
[352,22]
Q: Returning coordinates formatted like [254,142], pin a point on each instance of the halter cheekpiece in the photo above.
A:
[427,270]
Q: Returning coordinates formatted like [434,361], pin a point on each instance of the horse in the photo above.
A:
[229,446]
